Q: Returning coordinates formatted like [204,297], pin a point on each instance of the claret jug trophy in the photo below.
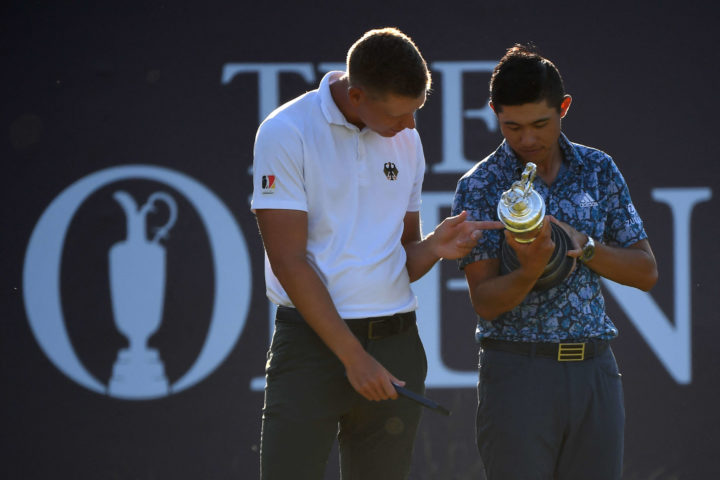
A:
[522,210]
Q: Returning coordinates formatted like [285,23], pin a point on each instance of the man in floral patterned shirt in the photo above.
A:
[538,416]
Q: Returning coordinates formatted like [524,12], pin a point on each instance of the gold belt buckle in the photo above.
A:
[371,324]
[571,352]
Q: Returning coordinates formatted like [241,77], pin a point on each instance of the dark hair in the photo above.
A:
[524,76]
[387,61]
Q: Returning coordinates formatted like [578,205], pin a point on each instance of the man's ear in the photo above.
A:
[565,105]
[356,96]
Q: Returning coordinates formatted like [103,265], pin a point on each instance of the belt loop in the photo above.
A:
[599,347]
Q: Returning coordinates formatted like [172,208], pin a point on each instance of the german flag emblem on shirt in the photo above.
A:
[268,184]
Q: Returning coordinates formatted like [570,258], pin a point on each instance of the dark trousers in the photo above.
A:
[309,401]
[542,419]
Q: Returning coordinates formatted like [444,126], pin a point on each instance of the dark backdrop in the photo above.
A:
[88,86]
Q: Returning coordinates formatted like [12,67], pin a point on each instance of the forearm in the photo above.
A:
[284,234]
[491,293]
[501,294]
[313,301]
[634,266]
[420,257]
[453,238]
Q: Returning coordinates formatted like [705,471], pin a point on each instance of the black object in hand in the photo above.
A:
[558,268]
[424,401]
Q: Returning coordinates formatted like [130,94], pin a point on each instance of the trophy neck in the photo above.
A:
[520,209]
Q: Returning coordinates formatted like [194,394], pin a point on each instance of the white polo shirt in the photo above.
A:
[356,187]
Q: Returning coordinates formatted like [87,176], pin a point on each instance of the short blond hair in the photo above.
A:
[385,60]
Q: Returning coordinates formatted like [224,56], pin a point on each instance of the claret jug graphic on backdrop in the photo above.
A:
[137,285]
[137,276]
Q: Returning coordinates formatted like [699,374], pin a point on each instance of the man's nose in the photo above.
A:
[527,139]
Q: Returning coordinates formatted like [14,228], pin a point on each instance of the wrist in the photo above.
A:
[431,241]
[588,250]
[350,352]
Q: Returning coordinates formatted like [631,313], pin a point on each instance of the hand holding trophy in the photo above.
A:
[522,210]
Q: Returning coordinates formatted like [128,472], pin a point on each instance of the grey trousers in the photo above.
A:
[542,419]
[309,401]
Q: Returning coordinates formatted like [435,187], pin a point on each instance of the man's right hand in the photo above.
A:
[533,256]
[370,379]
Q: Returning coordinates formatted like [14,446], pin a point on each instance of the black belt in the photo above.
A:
[562,352]
[373,328]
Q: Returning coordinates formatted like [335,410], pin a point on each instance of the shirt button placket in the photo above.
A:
[362,159]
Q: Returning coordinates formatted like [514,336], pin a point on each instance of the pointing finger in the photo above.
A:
[459,218]
[488,224]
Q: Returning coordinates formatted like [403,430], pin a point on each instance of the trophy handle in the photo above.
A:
[527,178]
[162,231]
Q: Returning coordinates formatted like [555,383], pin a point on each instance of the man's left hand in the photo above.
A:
[578,239]
[456,236]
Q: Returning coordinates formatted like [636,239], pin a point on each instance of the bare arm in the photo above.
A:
[284,234]
[634,265]
[455,237]
[491,293]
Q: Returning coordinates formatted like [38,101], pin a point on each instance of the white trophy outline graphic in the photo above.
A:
[137,286]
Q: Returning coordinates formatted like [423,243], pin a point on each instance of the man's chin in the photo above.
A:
[389,134]
[536,157]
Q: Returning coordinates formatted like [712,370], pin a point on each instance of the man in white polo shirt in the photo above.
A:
[337,180]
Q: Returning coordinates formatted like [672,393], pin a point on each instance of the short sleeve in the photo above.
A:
[624,226]
[416,194]
[473,197]
[278,180]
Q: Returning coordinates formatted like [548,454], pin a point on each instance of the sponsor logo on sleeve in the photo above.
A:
[268,184]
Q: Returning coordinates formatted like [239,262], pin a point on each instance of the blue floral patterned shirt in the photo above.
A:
[590,194]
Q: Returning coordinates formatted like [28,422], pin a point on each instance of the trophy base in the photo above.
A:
[558,268]
[138,375]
